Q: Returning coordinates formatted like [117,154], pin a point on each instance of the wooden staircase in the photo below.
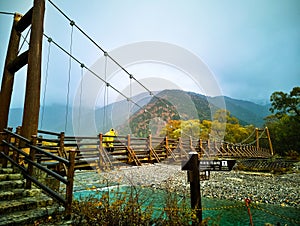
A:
[19,205]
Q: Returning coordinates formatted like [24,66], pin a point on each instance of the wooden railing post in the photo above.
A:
[191,143]
[70,178]
[6,149]
[128,147]
[101,161]
[200,148]
[149,146]
[257,138]
[32,158]
[17,144]
[167,142]
[2,137]
[61,149]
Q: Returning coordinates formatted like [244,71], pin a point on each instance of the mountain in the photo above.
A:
[247,112]
[155,111]
[178,104]
[52,118]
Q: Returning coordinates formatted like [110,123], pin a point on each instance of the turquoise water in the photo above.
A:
[220,212]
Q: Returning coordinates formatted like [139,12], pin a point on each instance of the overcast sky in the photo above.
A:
[252,47]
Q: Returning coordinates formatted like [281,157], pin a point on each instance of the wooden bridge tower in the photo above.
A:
[14,62]
[268,137]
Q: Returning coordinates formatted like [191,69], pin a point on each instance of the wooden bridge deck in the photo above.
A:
[136,151]
[91,152]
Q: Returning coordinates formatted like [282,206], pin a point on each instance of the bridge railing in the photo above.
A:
[24,158]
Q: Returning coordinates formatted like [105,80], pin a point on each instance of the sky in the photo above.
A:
[251,47]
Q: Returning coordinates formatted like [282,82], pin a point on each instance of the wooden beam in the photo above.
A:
[33,83]
[18,62]
[8,77]
[25,21]
[270,142]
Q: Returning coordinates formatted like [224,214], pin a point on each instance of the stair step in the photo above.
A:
[6,170]
[18,193]
[12,176]
[25,203]
[11,184]
[27,217]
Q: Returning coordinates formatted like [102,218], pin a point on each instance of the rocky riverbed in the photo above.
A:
[235,185]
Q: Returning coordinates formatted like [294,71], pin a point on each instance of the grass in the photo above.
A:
[127,207]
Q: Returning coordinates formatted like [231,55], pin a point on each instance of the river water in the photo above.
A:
[217,211]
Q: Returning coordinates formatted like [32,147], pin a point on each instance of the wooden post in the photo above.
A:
[8,76]
[6,149]
[270,142]
[61,151]
[100,148]
[192,166]
[2,137]
[149,146]
[32,158]
[200,148]
[16,155]
[129,160]
[257,138]
[70,178]
[166,147]
[33,83]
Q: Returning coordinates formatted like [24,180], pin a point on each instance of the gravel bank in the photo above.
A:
[235,185]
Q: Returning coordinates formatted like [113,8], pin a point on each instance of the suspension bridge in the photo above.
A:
[129,149]
[60,155]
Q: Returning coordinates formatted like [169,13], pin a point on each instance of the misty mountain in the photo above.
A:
[168,104]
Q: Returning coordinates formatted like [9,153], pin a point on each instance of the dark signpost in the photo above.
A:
[201,169]
[216,165]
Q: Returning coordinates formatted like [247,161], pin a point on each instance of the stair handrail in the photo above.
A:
[30,159]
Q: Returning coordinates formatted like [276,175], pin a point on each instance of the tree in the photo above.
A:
[224,126]
[284,124]
[286,104]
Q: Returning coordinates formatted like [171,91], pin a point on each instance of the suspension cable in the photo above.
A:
[80,96]
[243,141]
[7,13]
[260,136]
[94,73]
[105,96]
[24,39]
[46,81]
[130,95]
[69,77]
[106,53]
